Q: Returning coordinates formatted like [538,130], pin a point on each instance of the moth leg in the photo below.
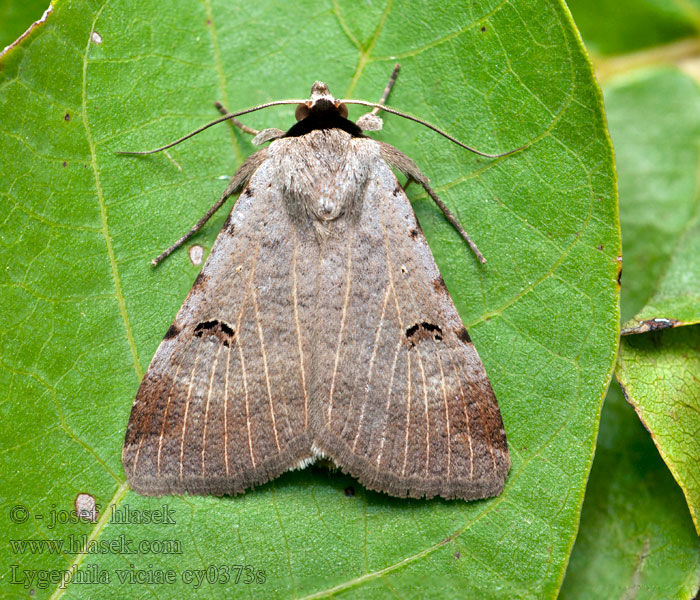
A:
[387,89]
[397,159]
[244,128]
[266,135]
[370,121]
[238,182]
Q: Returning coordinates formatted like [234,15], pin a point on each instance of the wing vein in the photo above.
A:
[462,397]
[371,365]
[187,408]
[267,373]
[298,328]
[388,402]
[342,327]
[244,375]
[206,408]
[447,416]
[427,418]
[228,364]
[165,417]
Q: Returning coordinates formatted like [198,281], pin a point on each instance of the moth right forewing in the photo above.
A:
[223,405]
[407,407]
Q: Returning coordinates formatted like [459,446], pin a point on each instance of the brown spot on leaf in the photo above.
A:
[483,29]
[599,246]
[64,163]
[458,555]
[66,117]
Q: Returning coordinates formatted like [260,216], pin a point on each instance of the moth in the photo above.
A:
[319,326]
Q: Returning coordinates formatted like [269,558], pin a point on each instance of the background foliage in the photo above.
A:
[646,58]
[83,312]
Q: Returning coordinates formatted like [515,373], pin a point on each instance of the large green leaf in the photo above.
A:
[659,374]
[676,299]
[83,311]
[655,124]
[636,538]
[654,117]
[624,26]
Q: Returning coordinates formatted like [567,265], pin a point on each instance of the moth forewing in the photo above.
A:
[319,325]
[407,407]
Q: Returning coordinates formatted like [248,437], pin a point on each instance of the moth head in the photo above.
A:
[320,100]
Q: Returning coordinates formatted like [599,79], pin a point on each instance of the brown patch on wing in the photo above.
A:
[201,280]
[463,335]
[423,331]
[173,330]
[228,225]
[439,285]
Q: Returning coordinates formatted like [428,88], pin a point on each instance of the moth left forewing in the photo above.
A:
[407,407]
[223,405]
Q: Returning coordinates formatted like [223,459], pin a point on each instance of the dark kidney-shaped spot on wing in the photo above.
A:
[216,329]
[423,331]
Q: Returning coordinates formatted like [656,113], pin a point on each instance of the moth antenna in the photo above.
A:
[393,111]
[212,123]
